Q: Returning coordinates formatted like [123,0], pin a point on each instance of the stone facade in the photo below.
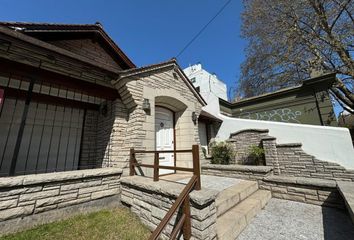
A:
[307,190]
[237,171]
[293,161]
[87,48]
[243,140]
[166,87]
[152,200]
[104,136]
[287,159]
[35,199]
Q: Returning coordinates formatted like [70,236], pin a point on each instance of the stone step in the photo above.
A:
[231,196]
[234,221]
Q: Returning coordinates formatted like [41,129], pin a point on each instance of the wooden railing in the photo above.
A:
[184,222]
[195,170]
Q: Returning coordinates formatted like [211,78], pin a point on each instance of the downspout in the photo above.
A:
[318,107]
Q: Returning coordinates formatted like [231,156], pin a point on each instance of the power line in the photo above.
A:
[203,28]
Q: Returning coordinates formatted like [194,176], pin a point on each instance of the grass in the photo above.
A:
[118,223]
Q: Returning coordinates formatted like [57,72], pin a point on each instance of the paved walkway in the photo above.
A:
[214,182]
[288,220]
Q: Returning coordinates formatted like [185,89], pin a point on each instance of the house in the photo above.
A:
[73,100]
[77,116]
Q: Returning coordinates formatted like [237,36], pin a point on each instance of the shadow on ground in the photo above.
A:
[337,224]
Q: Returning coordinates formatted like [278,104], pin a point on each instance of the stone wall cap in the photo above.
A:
[317,182]
[268,138]
[241,168]
[172,189]
[289,145]
[249,130]
[346,189]
[56,176]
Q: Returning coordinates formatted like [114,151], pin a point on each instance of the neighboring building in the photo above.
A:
[346,119]
[209,86]
[308,103]
[206,82]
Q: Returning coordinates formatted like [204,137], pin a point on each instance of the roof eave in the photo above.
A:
[155,67]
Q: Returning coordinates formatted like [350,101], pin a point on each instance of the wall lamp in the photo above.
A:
[194,117]
[146,105]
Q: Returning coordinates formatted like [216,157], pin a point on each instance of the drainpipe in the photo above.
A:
[318,107]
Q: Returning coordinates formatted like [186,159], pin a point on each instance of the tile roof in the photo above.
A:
[30,27]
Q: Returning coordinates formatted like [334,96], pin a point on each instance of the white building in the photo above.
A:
[206,82]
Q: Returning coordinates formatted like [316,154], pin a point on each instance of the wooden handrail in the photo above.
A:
[196,164]
[164,151]
[184,222]
[182,198]
[164,167]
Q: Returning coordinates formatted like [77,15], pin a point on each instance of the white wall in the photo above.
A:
[331,144]
[207,82]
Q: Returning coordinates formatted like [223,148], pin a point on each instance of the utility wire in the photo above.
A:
[203,28]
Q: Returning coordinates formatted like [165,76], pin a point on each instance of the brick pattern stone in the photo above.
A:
[318,192]
[237,171]
[243,140]
[150,201]
[287,159]
[271,154]
[104,137]
[87,48]
[32,194]
[293,161]
[161,87]
[36,56]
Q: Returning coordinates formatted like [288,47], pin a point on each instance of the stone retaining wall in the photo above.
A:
[26,201]
[152,200]
[293,161]
[287,159]
[243,140]
[307,190]
[237,171]
[346,189]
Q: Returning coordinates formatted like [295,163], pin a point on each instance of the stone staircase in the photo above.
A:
[236,206]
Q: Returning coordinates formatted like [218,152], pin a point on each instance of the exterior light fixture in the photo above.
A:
[194,117]
[175,75]
[146,104]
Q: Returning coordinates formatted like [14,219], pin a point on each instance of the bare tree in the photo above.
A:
[288,38]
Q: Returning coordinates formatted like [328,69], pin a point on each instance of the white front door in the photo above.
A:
[164,137]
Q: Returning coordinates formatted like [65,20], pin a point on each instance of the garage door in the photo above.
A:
[51,138]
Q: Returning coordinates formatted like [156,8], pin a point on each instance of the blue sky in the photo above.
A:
[152,31]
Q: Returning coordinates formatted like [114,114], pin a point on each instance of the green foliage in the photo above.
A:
[289,41]
[256,155]
[222,153]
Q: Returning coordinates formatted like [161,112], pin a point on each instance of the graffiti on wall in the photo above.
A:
[278,115]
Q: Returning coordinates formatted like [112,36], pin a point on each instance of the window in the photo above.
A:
[193,80]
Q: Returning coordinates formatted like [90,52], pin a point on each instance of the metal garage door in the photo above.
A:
[51,138]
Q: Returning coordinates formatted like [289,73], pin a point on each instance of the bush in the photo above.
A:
[222,153]
[256,155]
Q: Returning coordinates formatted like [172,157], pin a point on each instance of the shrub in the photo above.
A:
[222,153]
[256,155]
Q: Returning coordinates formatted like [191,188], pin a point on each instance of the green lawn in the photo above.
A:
[118,223]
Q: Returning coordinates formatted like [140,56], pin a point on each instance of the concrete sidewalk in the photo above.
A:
[288,220]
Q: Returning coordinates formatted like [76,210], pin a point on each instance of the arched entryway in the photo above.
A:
[164,135]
